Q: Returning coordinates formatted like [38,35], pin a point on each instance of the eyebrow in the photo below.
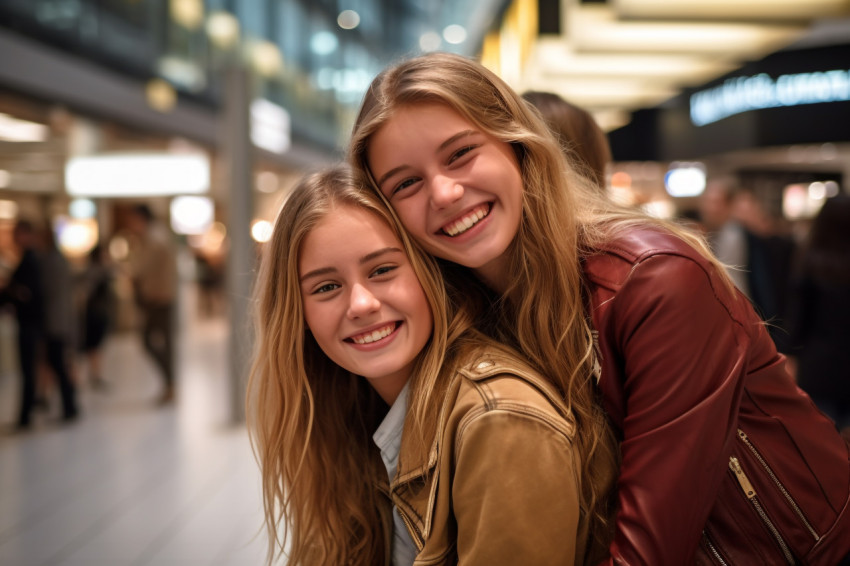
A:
[441,147]
[365,259]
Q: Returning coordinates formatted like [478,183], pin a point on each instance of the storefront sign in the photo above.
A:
[742,94]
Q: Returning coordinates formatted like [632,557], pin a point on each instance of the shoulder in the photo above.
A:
[648,274]
[614,262]
[494,384]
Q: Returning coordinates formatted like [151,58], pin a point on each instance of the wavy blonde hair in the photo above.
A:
[565,219]
[311,421]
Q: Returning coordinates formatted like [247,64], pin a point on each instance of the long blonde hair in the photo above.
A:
[565,219]
[310,421]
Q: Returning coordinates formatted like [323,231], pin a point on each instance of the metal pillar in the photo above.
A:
[241,261]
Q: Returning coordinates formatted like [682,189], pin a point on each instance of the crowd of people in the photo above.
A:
[64,312]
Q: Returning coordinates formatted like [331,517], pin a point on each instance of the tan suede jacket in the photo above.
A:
[500,483]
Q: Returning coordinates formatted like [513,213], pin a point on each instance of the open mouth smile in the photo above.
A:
[373,335]
[467,221]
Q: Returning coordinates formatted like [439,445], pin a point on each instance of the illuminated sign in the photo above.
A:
[742,94]
[137,174]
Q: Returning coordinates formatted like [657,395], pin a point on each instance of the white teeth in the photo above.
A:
[374,336]
[467,222]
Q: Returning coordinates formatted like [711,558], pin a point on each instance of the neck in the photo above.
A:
[495,274]
[388,387]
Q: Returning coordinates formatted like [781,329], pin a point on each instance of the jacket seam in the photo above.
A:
[704,271]
[509,408]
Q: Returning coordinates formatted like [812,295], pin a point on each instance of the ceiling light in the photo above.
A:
[554,56]
[685,179]
[187,13]
[429,41]
[76,237]
[142,174]
[323,43]
[16,130]
[82,208]
[348,19]
[191,214]
[261,231]
[270,126]
[595,28]
[223,29]
[605,92]
[266,58]
[730,9]
[8,209]
[160,95]
[267,182]
[454,34]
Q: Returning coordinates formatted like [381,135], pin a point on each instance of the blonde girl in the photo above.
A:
[724,460]
[387,429]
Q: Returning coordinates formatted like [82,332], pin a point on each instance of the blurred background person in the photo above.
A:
[726,236]
[209,270]
[757,256]
[154,272]
[580,136]
[820,310]
[95,316]
[770,251]
[25,293]
[59,322]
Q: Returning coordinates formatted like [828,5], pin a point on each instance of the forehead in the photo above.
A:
[345,231]
[427,110]
[412,128]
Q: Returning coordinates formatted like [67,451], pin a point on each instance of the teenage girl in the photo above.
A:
[724,459]
[387,429]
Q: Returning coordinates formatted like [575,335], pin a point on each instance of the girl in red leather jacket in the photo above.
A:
[724,459]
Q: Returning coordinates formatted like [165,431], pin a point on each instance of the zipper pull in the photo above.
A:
[743,435]
[742,478]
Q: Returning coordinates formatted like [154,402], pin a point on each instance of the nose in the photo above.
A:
[361,302]
[445,191]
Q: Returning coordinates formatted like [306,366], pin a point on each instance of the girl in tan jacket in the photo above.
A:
[388,431]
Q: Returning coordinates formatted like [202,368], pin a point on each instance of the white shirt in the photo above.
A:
[388,440]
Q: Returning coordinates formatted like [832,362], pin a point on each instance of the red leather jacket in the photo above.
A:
[725,459]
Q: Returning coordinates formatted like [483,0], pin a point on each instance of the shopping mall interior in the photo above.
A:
[208,111]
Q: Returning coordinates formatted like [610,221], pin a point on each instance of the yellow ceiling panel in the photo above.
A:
[752,10]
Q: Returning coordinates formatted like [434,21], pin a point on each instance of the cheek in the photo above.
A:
[313,317]
[514,198]
[411,212]
[424,317]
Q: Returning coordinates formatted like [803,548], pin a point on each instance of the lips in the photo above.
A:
[374,335]
[468,220]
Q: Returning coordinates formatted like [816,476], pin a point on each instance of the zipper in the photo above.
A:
[713,550]
[743,436]
[750,492]
[417,538]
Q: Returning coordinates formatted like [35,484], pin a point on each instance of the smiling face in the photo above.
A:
[457,190]
[362,300]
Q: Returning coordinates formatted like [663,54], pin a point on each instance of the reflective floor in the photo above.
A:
[132,483]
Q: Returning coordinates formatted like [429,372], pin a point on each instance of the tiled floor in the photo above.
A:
[131,483]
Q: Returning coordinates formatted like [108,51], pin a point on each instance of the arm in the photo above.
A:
[682,355]
[514,492]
